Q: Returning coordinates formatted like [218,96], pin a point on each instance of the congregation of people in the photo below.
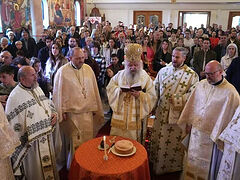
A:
[53,93]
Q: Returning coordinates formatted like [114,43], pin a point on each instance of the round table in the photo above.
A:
[88,163]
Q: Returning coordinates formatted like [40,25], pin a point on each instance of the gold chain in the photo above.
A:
[84,92]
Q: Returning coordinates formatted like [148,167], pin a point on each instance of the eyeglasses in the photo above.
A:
[210,73]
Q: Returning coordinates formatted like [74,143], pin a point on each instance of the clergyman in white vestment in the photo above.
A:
[132,96]
[8,142]
[174,84]
[78,103]
[209,110]
[34,119]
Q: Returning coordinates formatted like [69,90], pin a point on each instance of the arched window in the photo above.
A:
[45,15]
[77,14]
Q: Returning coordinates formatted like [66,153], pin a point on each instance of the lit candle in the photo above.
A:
[104,142]
[105,157]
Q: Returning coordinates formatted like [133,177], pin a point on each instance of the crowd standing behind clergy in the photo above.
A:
[81,62]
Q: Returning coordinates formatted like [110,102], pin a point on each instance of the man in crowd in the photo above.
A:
[78,103]
[209,110]
[202,57]
[68,50]
[220,49]
[34,119]
[43,53]
[5,46]
[131,96]
[7,59]
[7,83]
[113,68]
[233,39]
[29,44]
[188,41]
[174,84]
[73,33]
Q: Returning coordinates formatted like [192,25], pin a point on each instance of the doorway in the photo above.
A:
[234,19]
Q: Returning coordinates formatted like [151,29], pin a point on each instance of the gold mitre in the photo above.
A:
[133,52]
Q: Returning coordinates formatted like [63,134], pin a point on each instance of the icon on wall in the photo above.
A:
[141,21]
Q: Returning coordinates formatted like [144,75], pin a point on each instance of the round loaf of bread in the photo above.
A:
[123,147]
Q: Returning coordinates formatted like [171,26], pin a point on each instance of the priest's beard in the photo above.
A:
[133,77]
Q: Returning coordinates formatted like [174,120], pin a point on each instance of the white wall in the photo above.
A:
[124,11]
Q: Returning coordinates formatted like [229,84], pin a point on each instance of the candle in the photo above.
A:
[105,157]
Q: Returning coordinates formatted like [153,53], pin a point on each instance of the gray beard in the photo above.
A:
[132,78]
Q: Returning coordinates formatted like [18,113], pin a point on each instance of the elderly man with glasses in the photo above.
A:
[209,110]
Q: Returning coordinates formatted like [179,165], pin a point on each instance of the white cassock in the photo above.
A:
[29,114]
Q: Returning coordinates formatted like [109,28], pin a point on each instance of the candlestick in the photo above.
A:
[105,157]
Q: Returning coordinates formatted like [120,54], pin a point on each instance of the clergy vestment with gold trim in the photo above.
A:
[209,110]
[129,113]
[166,152]
[29,113]
[229,166]
[76,93]
[8,142]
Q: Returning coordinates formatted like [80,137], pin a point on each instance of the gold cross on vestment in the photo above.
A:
[170,130]
[164,109]
[163,167]
[177,96]
[176,149]
[188,72]
[164,85]
[174,77]
[165,74]
[160,135]
[183,84]
[165,154]
[167,142]
[172,160]
[168,95]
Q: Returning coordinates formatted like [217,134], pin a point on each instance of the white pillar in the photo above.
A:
[36,17]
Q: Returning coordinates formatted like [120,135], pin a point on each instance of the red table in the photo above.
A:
[88,163]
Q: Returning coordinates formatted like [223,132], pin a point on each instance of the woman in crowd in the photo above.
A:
[214,39]
[148,54]
[109,50]
[36,64]
[163,56]
[180,43]
[59,41]
[231,53]
[103,43]
[54,62]
[173,39]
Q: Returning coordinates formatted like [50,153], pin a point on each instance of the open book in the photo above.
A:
[127,89]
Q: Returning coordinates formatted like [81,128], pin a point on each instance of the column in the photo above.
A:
[36,17]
